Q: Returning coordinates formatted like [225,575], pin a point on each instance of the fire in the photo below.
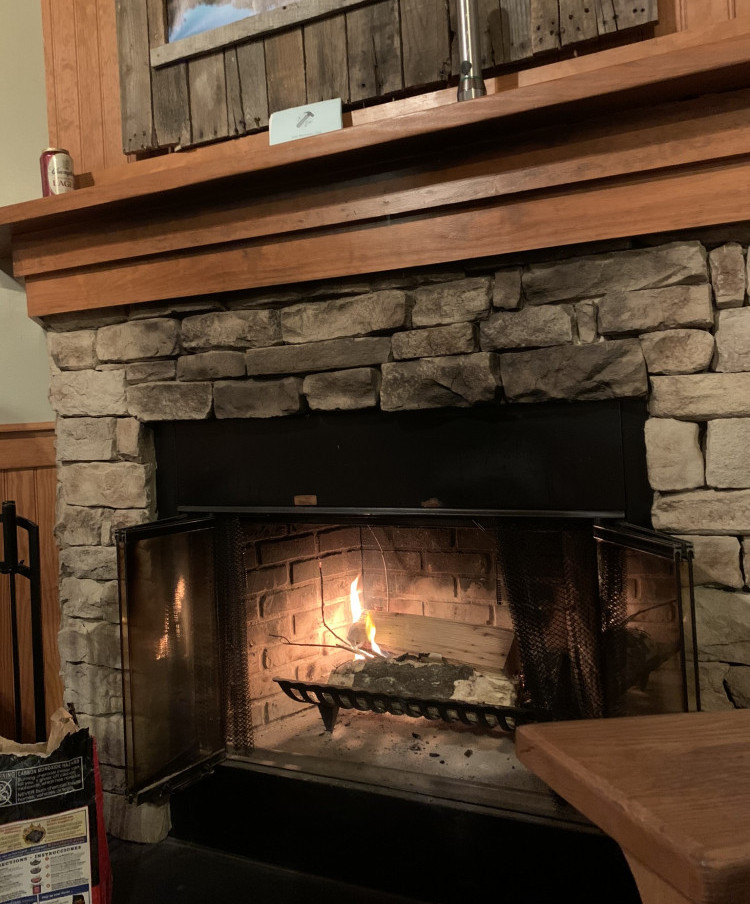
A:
[355,603]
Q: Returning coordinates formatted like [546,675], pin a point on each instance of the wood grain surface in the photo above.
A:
[672,790]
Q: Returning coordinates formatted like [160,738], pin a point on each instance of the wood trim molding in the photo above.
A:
[25,446]
[376,196]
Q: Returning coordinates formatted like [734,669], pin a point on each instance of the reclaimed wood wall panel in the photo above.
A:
[361,51]
[325,48]
[208,98]
[285,70]
[28,476]
[374,51]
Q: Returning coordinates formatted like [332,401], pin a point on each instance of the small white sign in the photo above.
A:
[301,122]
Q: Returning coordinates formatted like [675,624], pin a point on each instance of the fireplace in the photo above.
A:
[239,616]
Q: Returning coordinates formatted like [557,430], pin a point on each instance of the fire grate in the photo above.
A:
[329,698]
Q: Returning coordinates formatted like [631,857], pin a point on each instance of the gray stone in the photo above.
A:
[506,289]
[85,598]
[180,306]
[703,512]
[621,313]
[114,779]
[680,263]
[231,329]
[673,454]
[150,371]
[701,397]
[146,823]
[85,320]
[170,401]
[727,458]
[529,328]
[372,313]
[439,382]
[78,525]
[722,619]
[452,302]
[72,351]
[258,398]
[211,366]
[454,339]
[677,351]
[586,312]
[109,732]
[85,439]
[121,484]
[88,392]
[601,370]
[130,437]
[343,390]
[716,561]
[94,690]
[713,693]
[113,520]
[92,642]
[98,563]
[333,354]
[138,339]
[733,340]
[728,278]
[738,685]
[746,559]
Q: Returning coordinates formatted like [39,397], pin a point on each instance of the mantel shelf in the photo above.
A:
[347,202]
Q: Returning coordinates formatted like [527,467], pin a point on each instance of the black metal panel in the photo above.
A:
[548,457]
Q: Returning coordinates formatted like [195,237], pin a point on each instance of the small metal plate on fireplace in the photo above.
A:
[329,698]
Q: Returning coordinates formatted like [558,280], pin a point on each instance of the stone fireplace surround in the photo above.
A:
[667,320]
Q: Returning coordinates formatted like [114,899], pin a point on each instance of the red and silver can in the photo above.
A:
[57,172]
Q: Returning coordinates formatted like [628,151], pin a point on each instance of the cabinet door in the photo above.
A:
[171,675]
[648,621]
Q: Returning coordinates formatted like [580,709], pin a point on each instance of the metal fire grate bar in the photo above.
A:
[329,698]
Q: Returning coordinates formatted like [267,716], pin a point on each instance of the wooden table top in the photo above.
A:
[673,791]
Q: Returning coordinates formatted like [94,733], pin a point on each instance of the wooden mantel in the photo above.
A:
[640,139]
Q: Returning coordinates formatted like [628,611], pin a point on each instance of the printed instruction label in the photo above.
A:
[22,786]
[46,859]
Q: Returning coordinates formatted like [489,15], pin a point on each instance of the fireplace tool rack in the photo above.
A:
[11,566]
[330,698]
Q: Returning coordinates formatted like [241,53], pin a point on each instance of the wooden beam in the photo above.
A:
[653,140]
[702,195]
[663,61]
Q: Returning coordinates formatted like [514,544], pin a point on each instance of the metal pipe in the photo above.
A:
[470,83]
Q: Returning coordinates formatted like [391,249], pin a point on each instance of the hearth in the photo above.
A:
[236,609]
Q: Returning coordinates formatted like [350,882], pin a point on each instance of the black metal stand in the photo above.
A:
[12,567]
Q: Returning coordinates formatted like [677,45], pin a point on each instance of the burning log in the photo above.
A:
[481,646]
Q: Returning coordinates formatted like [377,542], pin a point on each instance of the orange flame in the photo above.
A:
[355,603]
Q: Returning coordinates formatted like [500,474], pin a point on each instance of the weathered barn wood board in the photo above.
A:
[325,48]
[374,50]
[135,76]
[285,70]
[577,21]
[208,98]
[358,50]
[425,39]
[251,62]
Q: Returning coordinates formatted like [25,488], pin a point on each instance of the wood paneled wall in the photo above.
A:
[27,476]
[83,81]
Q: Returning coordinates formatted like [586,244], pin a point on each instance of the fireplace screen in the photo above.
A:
[408,643]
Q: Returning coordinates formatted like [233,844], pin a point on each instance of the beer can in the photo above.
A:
[57,172]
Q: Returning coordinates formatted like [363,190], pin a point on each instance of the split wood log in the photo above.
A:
[482,646]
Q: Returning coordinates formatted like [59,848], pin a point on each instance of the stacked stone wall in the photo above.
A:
[668,320]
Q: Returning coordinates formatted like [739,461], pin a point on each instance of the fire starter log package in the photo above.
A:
[52,842]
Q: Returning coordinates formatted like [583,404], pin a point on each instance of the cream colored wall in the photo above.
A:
[24,373]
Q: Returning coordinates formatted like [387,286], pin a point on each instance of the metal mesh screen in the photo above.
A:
[548,577]
[230,572]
